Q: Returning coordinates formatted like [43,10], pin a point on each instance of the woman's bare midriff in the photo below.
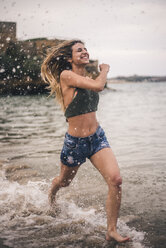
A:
[83,125]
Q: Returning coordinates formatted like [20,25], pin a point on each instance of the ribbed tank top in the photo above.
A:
[85,101]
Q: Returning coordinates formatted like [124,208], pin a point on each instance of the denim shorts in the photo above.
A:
[75,149]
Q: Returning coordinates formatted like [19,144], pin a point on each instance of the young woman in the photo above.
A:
[64,70]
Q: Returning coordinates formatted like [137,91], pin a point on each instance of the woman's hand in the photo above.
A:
[104,67]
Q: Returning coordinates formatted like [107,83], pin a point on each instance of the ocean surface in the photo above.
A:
[32,130]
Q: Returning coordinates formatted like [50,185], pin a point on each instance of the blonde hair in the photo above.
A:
[55,62]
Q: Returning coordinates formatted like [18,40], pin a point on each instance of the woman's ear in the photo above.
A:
[69,60]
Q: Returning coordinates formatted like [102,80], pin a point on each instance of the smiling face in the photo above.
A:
[80,56]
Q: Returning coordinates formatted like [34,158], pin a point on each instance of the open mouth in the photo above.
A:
[85,57]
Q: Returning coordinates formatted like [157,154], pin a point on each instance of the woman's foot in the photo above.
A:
[114,235]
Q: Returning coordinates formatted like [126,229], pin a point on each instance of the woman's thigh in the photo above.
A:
[106,163]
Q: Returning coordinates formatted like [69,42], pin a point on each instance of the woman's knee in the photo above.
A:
[115,180]
[61,182]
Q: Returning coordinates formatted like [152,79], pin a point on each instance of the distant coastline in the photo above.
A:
[136,79]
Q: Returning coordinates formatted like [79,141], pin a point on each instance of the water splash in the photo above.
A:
[26,218]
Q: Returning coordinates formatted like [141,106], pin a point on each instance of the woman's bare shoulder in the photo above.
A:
[66,74]
[70,78]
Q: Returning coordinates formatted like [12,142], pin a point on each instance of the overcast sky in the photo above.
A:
[130,35]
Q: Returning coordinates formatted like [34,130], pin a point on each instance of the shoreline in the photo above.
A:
[120,81]
[21,87]
[35,87]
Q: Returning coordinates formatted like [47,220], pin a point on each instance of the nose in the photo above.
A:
[85,52]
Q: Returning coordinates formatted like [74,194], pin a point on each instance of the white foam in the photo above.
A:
[98,219]
[16,200]
[20,198]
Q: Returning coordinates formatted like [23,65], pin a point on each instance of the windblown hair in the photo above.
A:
[56,62]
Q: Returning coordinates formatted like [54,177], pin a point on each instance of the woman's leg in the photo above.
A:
[63,180]
[105,161]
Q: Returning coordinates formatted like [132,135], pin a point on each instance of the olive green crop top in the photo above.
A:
[85,101]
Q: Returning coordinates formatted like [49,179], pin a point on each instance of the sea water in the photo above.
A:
[32,130]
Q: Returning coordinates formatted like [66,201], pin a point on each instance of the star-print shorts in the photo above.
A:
[75,149]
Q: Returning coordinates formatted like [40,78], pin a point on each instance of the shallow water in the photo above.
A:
[31,133]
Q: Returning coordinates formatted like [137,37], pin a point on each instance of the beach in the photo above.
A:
[32,130]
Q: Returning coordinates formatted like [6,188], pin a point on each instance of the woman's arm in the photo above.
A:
[74,80]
